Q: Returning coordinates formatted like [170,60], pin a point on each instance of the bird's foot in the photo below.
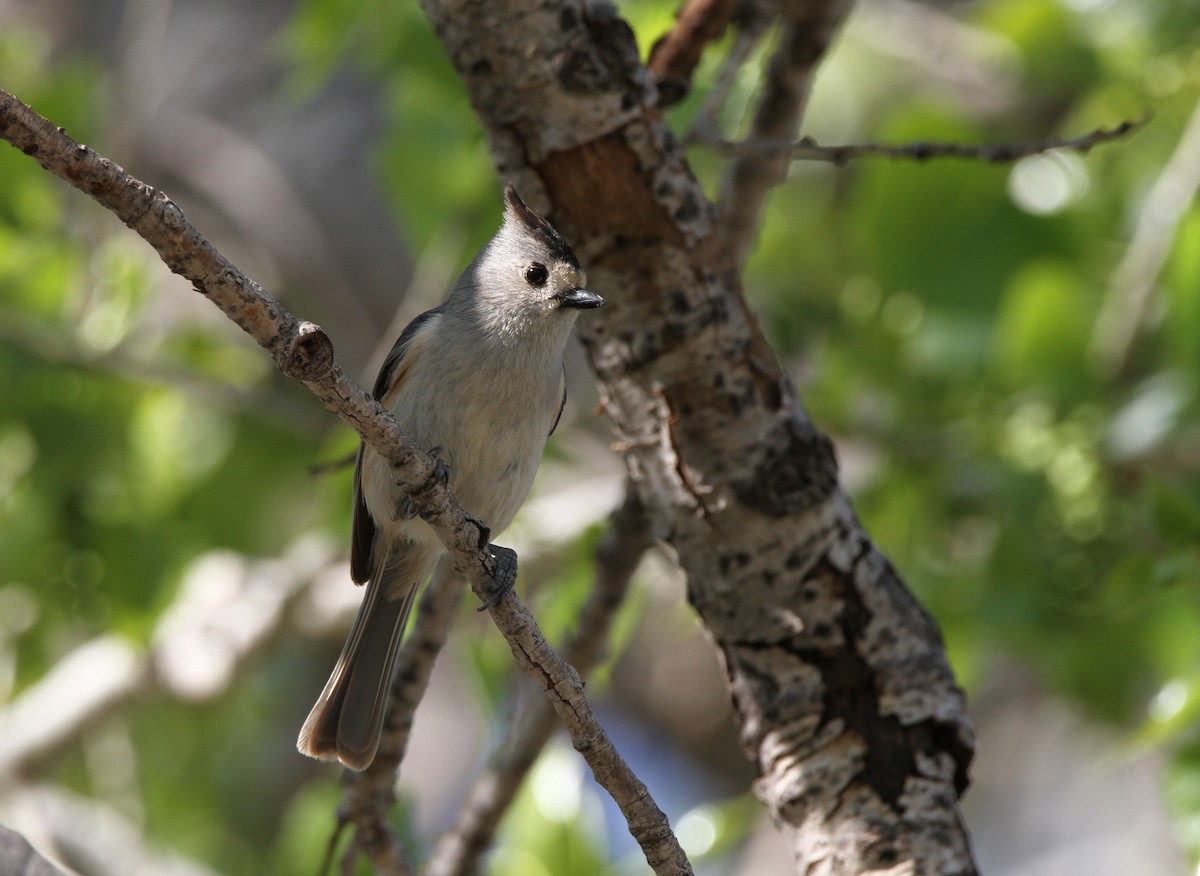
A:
[405,509]
[504,578]
[441,471]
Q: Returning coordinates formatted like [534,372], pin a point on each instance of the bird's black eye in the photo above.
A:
[536,274]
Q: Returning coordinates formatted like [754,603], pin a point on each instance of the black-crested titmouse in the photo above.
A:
[479,382]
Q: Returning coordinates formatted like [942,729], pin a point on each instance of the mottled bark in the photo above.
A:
[838,676]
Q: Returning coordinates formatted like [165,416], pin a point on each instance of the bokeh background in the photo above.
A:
[1007,356]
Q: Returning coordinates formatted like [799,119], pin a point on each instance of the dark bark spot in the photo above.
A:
[798,470]
[688,210]
[580,73]
[482,67]
[852,696]
[671,90]
[678,302]
[936,736]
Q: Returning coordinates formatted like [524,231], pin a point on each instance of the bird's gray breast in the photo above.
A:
[489,417]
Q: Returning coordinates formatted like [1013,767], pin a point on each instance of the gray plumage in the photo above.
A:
[480,379]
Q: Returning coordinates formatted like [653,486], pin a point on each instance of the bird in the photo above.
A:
[478,381]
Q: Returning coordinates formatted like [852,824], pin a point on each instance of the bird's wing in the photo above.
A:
[391,375]
[562,401]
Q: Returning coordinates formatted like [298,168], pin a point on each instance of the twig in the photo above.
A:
[806,32]
[752,23]
[674,56]
[458,851]
[1132,286]
[807,149]
[367,796]
[304,352]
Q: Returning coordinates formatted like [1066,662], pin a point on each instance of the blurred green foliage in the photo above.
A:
[942,319]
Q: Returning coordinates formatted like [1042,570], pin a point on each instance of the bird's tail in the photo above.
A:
[347,720]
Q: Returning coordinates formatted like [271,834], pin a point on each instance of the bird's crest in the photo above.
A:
[533,222]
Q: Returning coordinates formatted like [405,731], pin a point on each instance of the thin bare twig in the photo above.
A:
[807,149]
[752,22]
[807,30]
[674,56]
[459,850]
[304,352]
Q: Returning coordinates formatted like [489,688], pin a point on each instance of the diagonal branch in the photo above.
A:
[617,556]
[673,58]
[751,24]
[806,32]
[304,352]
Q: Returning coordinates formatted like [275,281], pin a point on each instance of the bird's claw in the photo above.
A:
[503,579]
[441,475]
[441,471]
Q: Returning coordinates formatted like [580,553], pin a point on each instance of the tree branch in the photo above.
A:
[674,56]
[303,352]
[806,31]
[844,696]
[459,850]
[807,149]
[752,22]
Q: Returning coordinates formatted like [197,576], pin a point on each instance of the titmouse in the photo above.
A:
[479,382]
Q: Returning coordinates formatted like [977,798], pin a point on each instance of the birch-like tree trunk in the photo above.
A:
[838,677]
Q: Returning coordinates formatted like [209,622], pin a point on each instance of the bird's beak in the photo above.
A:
[580,299]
